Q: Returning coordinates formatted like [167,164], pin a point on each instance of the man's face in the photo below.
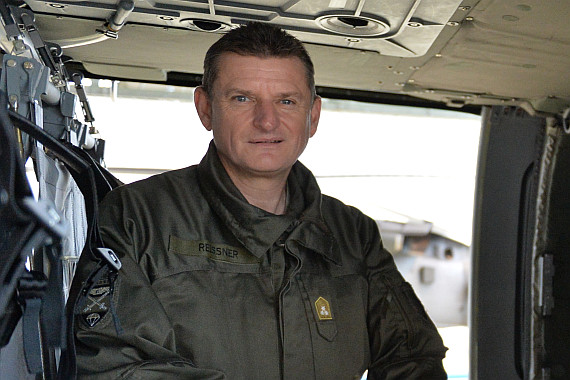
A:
[261,112]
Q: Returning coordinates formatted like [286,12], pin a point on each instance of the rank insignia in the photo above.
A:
[323,309]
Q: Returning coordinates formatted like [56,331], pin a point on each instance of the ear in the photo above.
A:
[203,107]
[315,115]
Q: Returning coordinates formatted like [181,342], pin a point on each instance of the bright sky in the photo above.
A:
[391,166]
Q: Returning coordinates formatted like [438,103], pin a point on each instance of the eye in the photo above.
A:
[287,101]
[241,98]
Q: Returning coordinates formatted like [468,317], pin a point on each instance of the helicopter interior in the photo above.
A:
[507,60]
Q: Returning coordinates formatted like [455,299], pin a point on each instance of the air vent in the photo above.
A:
[205,25]
[353,26]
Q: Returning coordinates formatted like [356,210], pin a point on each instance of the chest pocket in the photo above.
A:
[319,304]
[336,309]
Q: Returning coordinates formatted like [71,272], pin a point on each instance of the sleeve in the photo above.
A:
[122,330]
[404,342]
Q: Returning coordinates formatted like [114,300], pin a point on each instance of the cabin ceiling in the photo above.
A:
[509,52]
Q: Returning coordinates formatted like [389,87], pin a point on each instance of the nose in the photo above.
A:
[266,116]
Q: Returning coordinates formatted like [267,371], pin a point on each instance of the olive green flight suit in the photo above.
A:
[214,288]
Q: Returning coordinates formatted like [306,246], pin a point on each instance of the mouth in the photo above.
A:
[269,141]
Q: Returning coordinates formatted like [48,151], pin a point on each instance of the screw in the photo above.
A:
[28,65]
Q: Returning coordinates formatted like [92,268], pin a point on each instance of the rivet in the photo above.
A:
[469,18]
[438,55]
[464,8]
[28,65]
[10,63]
[414,24]
[453,23]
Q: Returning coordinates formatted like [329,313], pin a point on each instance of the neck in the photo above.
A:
[271,197]
[269,194]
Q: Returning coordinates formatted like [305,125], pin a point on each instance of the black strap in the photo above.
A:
[53,306]
[94,182]
[31,288]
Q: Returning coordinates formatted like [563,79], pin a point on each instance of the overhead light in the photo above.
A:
[204,25]
[354,26]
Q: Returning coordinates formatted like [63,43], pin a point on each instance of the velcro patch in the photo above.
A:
[97,303]
[212,251]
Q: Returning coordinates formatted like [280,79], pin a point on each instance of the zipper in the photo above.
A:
[409,325]
[279,309]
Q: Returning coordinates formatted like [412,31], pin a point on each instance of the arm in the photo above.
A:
[404,342]
[142,345]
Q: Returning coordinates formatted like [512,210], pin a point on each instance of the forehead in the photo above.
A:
[246,70]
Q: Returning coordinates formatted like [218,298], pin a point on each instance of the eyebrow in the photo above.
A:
[238,90]
[287,94]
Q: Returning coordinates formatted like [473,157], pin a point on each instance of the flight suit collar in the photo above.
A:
[311,230]
[258,229]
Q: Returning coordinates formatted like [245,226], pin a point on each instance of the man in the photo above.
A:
[238,268]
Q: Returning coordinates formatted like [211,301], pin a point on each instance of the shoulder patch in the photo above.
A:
[97,303]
